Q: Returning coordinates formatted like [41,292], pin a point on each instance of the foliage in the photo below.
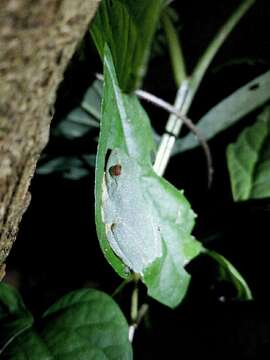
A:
[144,224]
[249,162]
[128,28]
[230,110]
[85,324]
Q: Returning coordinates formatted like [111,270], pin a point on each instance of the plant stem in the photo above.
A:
[174,124]
[175,50]
[188,87]
[214,46]
[173,128]
[134,310]
[141,313]
[120,287]
[134,304]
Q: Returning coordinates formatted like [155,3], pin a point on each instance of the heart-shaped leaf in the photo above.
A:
[85,324]
[143,222]
[249,160]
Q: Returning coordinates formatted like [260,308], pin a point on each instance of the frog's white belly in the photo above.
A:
[131,229]
[137,249]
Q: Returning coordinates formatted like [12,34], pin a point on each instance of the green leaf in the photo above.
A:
[127,26]
[229,272]
[92,99]
[70,167]
[249,160]
[83,118]
[143,222]
[225,114]
[85,324]
[75,125]
[14,317]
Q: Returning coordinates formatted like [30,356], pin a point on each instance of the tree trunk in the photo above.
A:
[37,39]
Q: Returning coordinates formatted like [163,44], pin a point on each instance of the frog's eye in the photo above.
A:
[115,170]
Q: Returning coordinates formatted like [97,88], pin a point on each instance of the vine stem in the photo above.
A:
[174,123]
[134,303]
[210,52]
[172,128]
[175,49]
[141,313]
[134,309]
[189,86]
[120,287]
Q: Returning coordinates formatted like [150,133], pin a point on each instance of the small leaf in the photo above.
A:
[229,272]
[225,114]
[14,317]
[85,324]
[70,167]
[83,118]
[92,99]
[127,26]
[249,162]
[143,222]
[75,125]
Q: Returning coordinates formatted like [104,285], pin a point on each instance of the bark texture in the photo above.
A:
[37,39]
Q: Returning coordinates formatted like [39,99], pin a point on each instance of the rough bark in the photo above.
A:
[37,39]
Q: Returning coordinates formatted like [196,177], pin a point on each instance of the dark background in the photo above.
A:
[57,249]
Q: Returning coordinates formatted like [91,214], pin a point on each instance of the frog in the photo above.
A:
[131,228]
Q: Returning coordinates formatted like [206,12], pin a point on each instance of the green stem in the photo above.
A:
[215,45]
[188,86]
[173,128]
[120,287]
[175,50]
[134,304]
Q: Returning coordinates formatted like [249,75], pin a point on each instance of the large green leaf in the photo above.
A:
[249,160]
[225,114]
[85,324]
[143,222]
[127,26]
